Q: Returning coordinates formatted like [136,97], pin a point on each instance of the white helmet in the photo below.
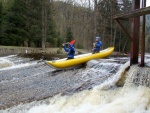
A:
[98,38]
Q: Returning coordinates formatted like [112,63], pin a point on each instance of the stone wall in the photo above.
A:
[4,50]
[12,51]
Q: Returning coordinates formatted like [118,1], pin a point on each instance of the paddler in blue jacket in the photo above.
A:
[70,50]
[97,45]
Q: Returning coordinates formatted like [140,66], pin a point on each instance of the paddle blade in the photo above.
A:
[72,42]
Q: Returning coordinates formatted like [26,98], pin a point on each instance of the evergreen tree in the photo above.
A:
[0,13]
[59,40]
[69,35]
[52,37]
[15,24]
[1,22]
[34,23]
[22,23]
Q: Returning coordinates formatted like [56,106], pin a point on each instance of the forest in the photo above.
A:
[49,23]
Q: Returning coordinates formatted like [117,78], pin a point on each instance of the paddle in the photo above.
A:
[72,42]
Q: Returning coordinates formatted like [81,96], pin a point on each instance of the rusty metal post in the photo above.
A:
[135,34]
[143,37]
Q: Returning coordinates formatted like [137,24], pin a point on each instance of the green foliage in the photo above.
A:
[69,35]
[59,40]
[52,36]
[80,46]
[21,21]
[107,28]
[33,23]
[13,24]
[1,13]
[1,18]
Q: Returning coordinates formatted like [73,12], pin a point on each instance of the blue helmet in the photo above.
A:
[98,38]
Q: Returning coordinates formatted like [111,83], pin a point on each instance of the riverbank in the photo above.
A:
[48,53]
[36,53]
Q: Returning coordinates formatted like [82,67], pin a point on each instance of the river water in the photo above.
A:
[28,86]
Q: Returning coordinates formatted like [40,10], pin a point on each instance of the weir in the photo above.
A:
[89,90]
[134,37]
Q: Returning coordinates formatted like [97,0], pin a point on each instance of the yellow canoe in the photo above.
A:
[80,59]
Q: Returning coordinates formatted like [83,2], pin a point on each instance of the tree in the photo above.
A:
[1,15]
[95,16]
[48,26]
[27,23]
[59,40]
[40,23]
[14,24]
[33,23]
[69,35]
[107,28]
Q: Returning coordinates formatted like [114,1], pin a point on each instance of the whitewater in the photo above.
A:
[103,95]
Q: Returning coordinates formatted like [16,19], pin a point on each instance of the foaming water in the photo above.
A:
[12,62]
[129,99]
[5,63]
[104,98]
[18,66]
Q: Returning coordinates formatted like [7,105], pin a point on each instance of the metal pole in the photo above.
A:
[143,37]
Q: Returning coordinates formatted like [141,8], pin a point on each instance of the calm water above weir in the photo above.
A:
[28,86]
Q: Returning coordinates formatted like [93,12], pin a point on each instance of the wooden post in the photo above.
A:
[143,37]
[135,34]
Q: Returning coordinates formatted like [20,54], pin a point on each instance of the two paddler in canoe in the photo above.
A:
[80,59]
[71,49]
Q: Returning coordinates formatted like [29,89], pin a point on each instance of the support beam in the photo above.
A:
[122,28]
[135,34]
[134,38]
[135,13]
[143,37]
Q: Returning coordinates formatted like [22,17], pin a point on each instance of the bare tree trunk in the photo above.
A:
[26,43]
[45,18]
[95,17]
[123,49]
[114,37]
[103,46]
[43,24]
[111,22]
[89,4]
[119,41]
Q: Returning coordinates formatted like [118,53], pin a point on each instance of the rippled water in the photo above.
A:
[93,89]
